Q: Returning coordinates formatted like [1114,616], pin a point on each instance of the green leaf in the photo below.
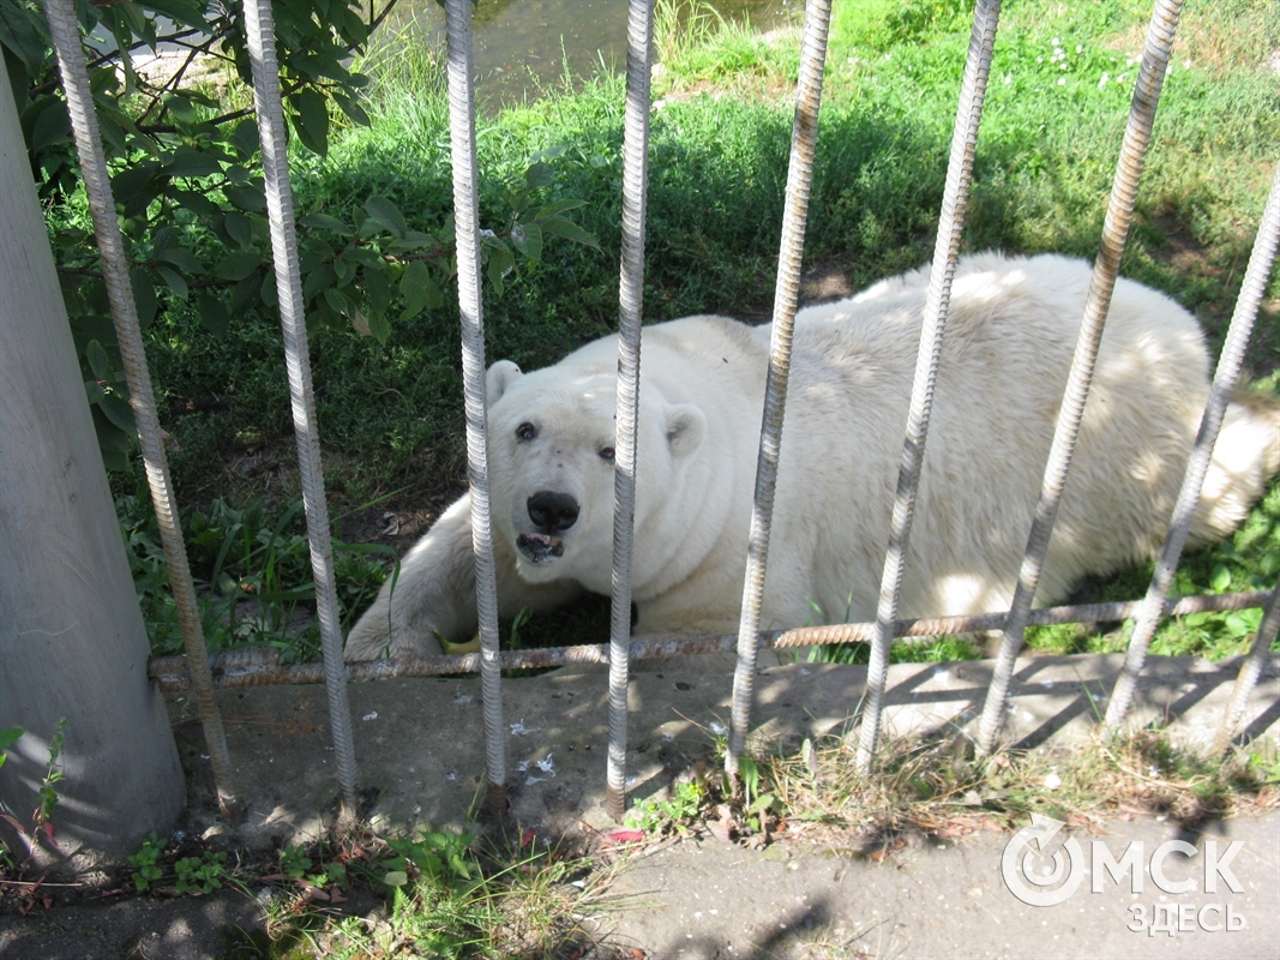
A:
[312,119]
[268,291]
[570,231]
[239,229]
[19,34]
[560,206]
[129,183]
[214,315]
[378,289]
[53,125]
[118,412]
[395,878]
[247,197]
[237,266]
[527,238]
[1220,579]
[387,214]
[144,296]
[183,109]
[197,203]
[181,258]
[501,262]
[373,324]
[189,162]
[182,11]
[352,109]
[339,302]
[322,221]
[97,358]
[417,287]
[539,175]
[245,294]
[319,278]
[245,138]
[115,444]
[173,279]
[363,256]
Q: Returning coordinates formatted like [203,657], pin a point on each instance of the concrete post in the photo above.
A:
[72,641]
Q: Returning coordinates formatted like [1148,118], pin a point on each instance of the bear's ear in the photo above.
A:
[686,427]
[500,376]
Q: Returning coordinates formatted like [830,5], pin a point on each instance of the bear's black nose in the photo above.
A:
[552,512]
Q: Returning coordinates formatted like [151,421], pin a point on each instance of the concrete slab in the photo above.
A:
[420,751]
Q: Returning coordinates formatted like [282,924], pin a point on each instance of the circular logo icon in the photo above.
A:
[1040,868]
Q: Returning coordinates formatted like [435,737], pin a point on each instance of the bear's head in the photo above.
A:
[551,466]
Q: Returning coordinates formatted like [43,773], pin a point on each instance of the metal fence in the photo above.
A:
[198,671]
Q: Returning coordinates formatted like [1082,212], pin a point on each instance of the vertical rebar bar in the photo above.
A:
[635,175]
[260,35]
[1115,231]
[1250,671]
[466,205]
[955,202]
[804,136]
[84,125]
[1224,381]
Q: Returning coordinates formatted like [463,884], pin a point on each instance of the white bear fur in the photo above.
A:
[1010,335]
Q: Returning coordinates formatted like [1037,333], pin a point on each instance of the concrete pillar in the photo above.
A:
[72,641]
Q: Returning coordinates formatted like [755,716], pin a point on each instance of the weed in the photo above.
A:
[7,739]
[202,874]
[934,785]
[656,816]
[253,575]
[294,862]
[41,827]
[147,862]
[441,857]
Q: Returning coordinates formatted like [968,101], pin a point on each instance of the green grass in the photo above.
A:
[390,416]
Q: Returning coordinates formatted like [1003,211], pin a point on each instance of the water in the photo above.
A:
[520,45]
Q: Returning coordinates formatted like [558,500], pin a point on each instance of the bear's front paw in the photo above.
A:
[366,643]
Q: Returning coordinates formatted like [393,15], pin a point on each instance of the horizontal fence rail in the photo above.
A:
[258,667]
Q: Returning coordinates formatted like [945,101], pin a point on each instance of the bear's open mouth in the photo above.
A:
[540,548]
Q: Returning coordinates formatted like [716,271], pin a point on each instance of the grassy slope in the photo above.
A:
[390,417]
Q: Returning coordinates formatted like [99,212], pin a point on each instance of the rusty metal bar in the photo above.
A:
[466,205]
[1115,231]
[1224,383]
[804,137]
[258,666]
[260,34]
[1250,671]
[65,35]
[955,203]
[635,176]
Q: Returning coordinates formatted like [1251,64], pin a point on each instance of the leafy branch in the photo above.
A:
[184,159]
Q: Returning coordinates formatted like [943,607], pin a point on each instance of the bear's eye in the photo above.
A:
[526,431]
[606,453]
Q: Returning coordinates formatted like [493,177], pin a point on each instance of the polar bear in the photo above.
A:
[1011,331]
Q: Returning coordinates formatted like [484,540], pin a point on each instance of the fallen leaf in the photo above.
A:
[624,836]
